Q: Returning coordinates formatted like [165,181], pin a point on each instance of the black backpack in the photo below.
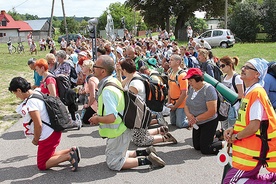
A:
[66,94]
[57,112]
[136,113]
[156,94]
[218,75]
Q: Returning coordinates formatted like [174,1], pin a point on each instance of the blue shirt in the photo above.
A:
[37,79]
[270,88]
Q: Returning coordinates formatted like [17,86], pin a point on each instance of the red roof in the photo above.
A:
[12,24]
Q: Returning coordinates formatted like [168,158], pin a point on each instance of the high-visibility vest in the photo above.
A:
[247,150]
[118,127]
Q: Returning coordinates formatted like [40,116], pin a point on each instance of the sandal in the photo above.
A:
[77,152]
[169,138]
[163,130]
[74,160]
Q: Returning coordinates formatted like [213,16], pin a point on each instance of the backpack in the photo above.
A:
[73,77]
[218,75]
[136,113]
[66,94]
[155,93]
[56,110]
[272,68]
[176,77]
[192,63]
[223,106]
[163,77]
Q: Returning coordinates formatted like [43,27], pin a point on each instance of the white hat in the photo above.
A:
[83,53]
[120,50]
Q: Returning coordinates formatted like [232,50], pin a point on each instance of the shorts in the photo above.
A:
[46,149]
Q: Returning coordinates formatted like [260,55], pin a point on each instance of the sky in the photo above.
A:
[42,8]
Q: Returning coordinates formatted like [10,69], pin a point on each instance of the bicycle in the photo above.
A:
[11,48]
[20,48]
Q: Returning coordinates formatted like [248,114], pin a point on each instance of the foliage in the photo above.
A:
[269,18]
[72,25]
[198,25]
[117,11]
[158,13]
[245,21]
[18,16]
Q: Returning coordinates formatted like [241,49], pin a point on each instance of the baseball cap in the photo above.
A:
[191,72]
[83,53]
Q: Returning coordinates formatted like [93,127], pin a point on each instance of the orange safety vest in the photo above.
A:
[246,152]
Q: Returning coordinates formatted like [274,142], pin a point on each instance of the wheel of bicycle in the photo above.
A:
[13,49]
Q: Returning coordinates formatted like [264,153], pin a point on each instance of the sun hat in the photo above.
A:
[191,72]
[119,50]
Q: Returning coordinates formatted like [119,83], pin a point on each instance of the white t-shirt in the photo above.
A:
[139,85]
[257,109]
[34,104]
[228,83]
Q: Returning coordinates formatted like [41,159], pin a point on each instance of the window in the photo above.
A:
[217,33]
[206,35]
[4,22]
[2,34]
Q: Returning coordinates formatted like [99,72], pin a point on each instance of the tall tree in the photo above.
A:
[161,11]
[72,26]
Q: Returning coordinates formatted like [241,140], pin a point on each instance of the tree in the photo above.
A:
[269,18]
[161,11]
[245,21]
[72,25]
[117,11]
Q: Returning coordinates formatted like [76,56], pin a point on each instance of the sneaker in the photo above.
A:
[78,121]
[150,150]
[155,160]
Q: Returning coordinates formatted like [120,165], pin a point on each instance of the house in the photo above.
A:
[18,30]
[40,28]
[11,29]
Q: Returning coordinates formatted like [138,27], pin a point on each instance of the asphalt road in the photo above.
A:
[183,163]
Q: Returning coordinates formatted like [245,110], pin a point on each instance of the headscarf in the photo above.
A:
[261,66]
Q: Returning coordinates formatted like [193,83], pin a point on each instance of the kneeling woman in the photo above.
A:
[42,135]
[200,108]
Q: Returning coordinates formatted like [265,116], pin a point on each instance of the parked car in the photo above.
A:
[217,38]
[70,37]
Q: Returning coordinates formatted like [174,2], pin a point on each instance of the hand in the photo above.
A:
[228,134]
[85,106]
[94,120]
[35,142]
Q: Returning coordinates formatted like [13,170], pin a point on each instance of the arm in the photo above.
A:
[211,110]
[35,115]
[52,89]
[180,100]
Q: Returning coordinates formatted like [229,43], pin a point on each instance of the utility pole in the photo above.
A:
[51,20]
[65,24]
[226,9]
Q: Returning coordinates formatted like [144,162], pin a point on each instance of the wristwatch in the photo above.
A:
[236,137]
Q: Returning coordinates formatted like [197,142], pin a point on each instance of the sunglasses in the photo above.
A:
[222,65]
[246,67]
[95,66]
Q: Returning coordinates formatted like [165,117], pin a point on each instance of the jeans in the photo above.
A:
[178,118]
[232,116]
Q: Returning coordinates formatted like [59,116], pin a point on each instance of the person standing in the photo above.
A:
[253,136]
[270,87]
[177,92]
[110,103]
[189,32]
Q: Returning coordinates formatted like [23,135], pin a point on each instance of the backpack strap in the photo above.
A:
[40,97]
[176,77]
[234,83]
[116,86]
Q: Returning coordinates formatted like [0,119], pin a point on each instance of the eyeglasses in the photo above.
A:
[95,66]
[222,66]
[246,67]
